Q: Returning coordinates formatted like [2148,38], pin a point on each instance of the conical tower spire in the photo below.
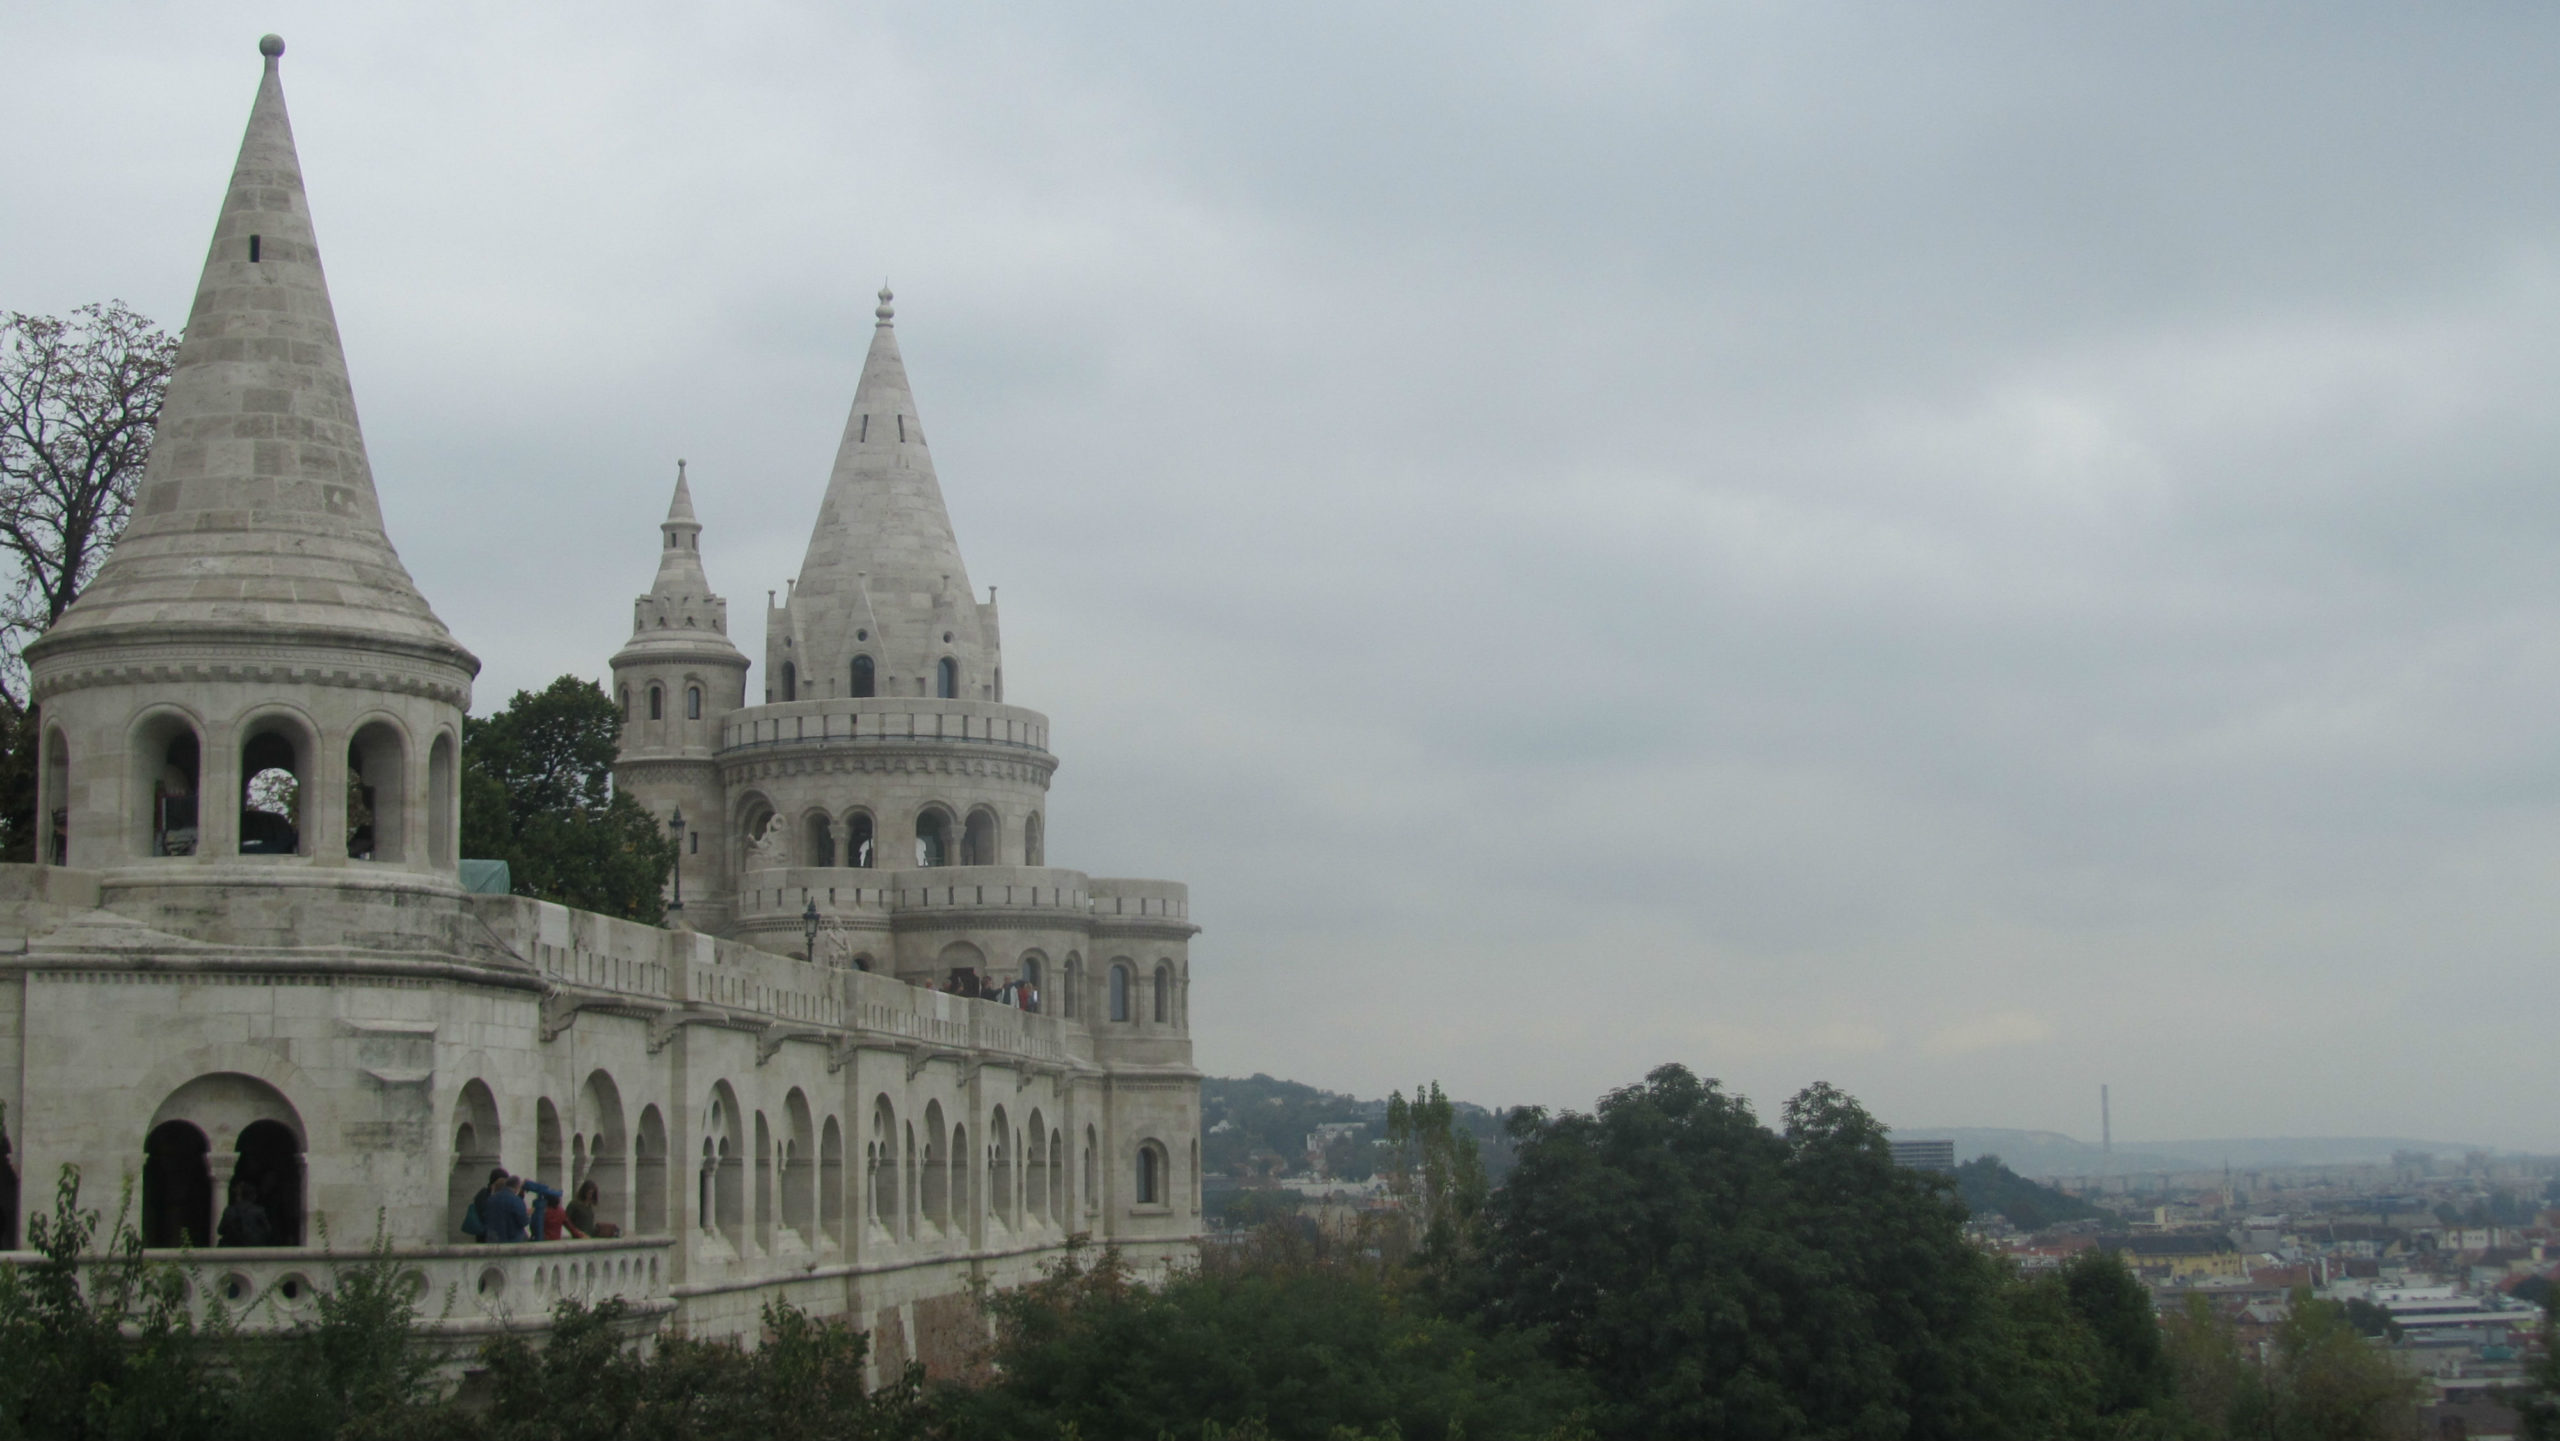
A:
[883,576]
[680,609]
[256,510]
[680,556]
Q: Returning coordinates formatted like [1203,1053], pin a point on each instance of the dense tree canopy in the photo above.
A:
[1989,1188]
[1714,1277]
[537,793]
[1302,1346]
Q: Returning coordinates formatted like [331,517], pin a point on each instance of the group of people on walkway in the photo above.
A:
[965,981]
[520,1208]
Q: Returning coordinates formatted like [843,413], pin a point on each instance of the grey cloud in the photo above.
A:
[1966,552]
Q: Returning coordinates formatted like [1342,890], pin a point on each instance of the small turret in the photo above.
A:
[675,679]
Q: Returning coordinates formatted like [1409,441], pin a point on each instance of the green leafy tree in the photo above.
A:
[1714,1277]
[2326,1383]
[590,1382]
[1280,1346]
[2222,1393]
[2135,1375]
[537,793]
[2319,1380]
[1260,1206]
[96,1341]
[2054,1367]
[1436,1177]
[353,1371]
[2370,1320]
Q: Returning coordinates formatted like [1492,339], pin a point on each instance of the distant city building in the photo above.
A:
[1939,1156]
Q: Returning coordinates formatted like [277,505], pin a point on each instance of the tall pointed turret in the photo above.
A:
[883,579]
[674,679]
[680,609]
[252,679]
[257,507]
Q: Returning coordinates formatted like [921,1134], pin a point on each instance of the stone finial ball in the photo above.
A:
[271,46]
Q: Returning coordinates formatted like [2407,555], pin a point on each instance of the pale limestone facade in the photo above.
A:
[299,997]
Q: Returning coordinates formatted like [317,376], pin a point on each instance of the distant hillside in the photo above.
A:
[1989,1187]
[2051,1153]
[1250,1124]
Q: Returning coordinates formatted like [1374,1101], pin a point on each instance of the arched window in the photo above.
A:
[657,703]
[790,681]
[857,840]
[831,1182]
[170,766]
[1119,992]
[866,679]
[1031,979]
[1034,844]
[693,702]
[882,1159]
[978,839]
[440,801]
[57,799]
[649,1175]
[1073,990]
[933,838]
[1094,1196]
[1151,1174]
[377,792]
[999,1167]
[623,696]
[1164,993]
[820,849]
[946,682]
[272,764]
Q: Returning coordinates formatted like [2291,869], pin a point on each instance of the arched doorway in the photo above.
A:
[475,1151]
[268,1171]
[220,1134]
[8,1190]
[177,1186]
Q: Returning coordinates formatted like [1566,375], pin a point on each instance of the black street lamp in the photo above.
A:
[675,823]
[809,930]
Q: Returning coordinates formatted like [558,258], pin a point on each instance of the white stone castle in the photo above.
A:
[883,1051]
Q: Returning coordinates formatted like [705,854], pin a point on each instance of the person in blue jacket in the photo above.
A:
[502,1215]
[544,1198]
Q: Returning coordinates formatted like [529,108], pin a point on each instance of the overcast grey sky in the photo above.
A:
[1964,551]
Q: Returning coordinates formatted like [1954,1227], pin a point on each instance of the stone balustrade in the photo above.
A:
[848,891]
[885,720]
[459,1291]
[591,958]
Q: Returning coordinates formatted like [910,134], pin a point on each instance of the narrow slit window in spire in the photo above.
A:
[253,250]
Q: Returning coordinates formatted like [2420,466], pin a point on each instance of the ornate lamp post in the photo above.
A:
[809,930]
[675,823]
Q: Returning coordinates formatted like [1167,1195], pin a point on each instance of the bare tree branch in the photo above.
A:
[79,404]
